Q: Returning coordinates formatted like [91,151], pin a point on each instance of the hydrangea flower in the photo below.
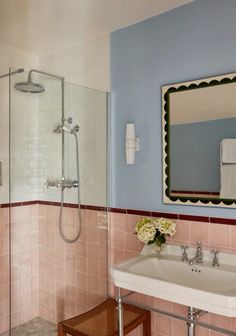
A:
[152,230]
[146,232]
[166,226]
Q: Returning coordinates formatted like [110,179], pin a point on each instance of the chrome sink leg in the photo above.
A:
[191,326]
[193,315]
[120,313]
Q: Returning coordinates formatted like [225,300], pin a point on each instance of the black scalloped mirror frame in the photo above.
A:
[166,97]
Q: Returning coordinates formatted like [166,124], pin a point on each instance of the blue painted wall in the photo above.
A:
[192,41]
[195,154]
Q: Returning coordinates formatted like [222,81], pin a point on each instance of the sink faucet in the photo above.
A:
[199,256]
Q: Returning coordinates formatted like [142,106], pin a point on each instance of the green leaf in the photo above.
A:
[157,233]
[160,240]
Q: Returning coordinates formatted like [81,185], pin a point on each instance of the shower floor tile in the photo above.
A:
[37,327]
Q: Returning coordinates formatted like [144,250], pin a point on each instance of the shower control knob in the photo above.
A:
[69,120]
[75,184]
[49,183]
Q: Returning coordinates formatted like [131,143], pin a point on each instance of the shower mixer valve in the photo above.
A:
[62,184]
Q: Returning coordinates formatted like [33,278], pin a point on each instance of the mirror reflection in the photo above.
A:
[201,146]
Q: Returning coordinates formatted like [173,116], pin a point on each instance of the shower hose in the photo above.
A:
[61,231]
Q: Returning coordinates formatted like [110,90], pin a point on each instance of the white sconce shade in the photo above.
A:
[131,143]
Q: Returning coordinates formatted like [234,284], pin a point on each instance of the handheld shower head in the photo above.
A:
[76,128]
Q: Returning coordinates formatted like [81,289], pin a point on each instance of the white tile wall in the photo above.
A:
[36,150]
[24,143]
[10,57]
[88,109]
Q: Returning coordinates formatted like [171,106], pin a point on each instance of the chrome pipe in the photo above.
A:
[63,125]
[10,211]
[12,73]
[191,325]
[68,240]
[45,74]
[120,313]
[186,319]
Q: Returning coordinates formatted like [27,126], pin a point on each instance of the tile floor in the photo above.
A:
[35,327]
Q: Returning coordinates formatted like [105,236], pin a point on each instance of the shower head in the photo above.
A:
[29,86]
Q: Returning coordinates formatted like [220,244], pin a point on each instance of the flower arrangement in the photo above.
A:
[154,230]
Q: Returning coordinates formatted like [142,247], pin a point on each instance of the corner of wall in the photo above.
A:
[86,64]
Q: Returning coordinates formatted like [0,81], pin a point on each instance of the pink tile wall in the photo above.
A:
[51,278]
[123,243]
[4,270]
[72,277]
[57,280]
[24,260]
[25,266]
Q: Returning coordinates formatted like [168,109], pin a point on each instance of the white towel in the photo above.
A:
[228,181]
[228,151]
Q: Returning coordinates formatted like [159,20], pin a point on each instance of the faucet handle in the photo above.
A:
[199,248]
[184,254]
[215,262]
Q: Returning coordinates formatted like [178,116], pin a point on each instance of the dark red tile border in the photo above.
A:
[15,204]
[44,202]
[118,210]
[29,203]
[138,212]
[72,205]
[228,221]
[5,205]
[96,207]
[66,205]
[204,219]
[194,218]
[163,214]
[215,220]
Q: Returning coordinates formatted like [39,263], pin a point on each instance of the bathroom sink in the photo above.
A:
[167,277]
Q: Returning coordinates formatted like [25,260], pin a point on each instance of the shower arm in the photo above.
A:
[12,73]
[45,74]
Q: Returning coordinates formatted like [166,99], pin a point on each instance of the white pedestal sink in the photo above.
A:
[167,277]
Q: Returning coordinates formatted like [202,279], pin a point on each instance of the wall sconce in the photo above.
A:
[132,143]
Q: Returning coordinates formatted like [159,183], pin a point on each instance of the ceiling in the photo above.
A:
[43,26]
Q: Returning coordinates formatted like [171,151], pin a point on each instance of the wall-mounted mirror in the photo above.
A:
[199,141]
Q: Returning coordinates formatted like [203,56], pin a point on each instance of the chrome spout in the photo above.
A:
[199,255]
